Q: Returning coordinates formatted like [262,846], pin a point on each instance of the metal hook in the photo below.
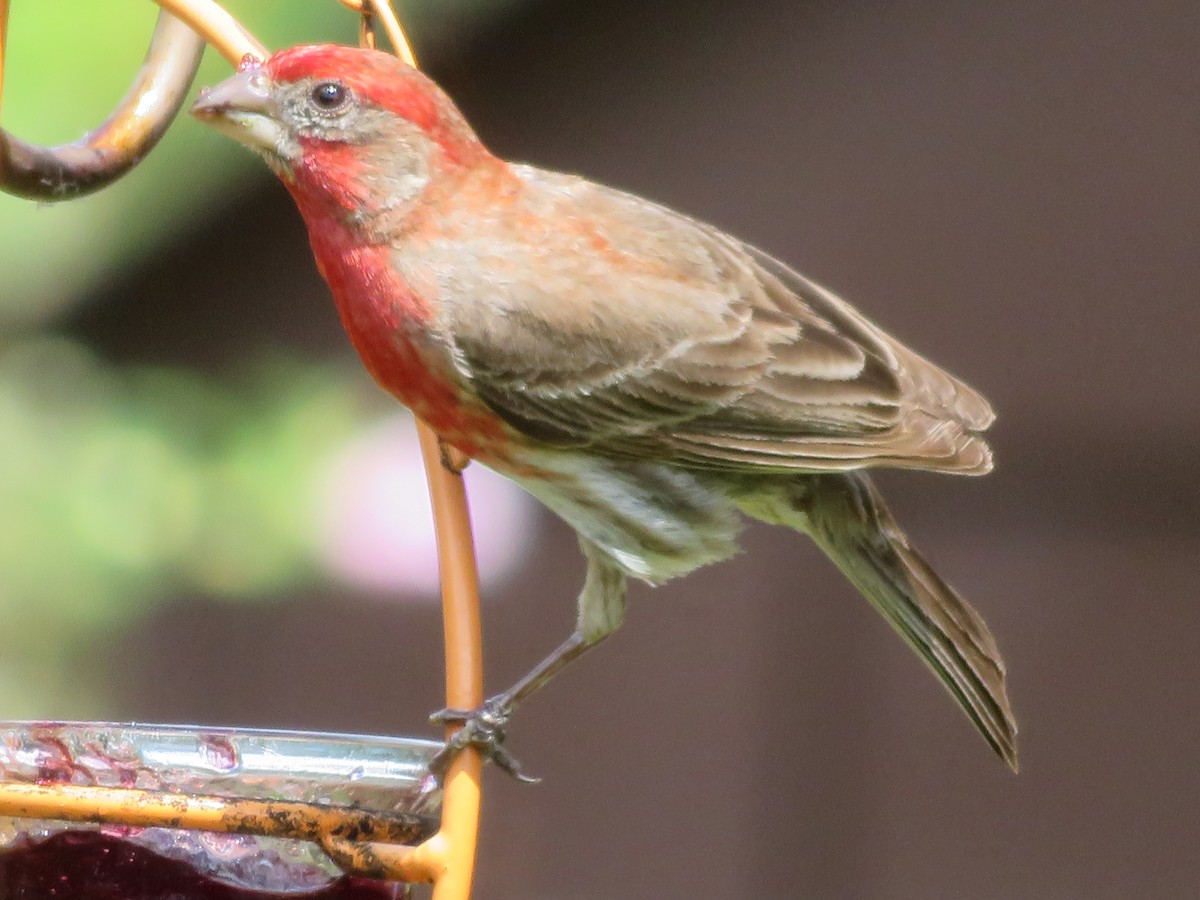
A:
[100,157]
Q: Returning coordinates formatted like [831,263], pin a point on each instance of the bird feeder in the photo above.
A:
[232,812]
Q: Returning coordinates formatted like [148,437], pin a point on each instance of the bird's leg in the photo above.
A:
[601,611]
[486,726]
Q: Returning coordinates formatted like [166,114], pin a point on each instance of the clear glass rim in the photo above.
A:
[357,801]
[236,731]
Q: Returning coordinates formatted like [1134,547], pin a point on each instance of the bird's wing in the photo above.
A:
[642,331]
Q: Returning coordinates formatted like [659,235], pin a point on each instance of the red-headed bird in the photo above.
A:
[644,375]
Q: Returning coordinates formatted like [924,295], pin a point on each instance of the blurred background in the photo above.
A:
[209,514]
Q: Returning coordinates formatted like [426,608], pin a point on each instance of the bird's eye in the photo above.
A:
[330,96]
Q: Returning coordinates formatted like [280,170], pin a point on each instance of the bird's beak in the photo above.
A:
[243,107]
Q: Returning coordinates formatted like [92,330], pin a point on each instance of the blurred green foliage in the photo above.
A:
[63,75]
[121,486]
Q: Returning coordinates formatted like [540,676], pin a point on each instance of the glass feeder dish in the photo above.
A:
[93,810]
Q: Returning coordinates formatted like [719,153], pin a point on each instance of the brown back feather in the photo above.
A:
[645,333]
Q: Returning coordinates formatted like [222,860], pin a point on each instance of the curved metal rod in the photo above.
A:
[448,858]
[104,155]
[391,26]
[212,21]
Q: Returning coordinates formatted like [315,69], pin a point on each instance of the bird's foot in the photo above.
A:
[482,728]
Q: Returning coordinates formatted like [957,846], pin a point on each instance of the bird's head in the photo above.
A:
[356,129]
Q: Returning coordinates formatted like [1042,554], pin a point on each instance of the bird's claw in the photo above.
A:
[483,729]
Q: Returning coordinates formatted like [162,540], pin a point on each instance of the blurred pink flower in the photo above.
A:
[375,528]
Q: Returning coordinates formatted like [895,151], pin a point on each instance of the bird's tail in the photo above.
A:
[848,519]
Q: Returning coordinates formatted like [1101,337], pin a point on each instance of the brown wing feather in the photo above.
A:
[651,334]
[866,400]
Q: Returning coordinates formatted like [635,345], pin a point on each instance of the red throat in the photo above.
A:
[391,327]
[325,182]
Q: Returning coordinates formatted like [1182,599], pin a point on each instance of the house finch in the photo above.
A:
[644,375]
